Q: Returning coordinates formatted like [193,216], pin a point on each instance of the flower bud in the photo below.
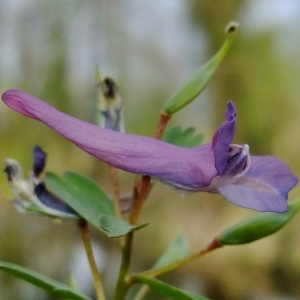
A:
[198,81]
[110,105]
[258,226]
[32,195]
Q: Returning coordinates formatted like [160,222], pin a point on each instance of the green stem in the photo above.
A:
[116,191]
[122,284]
[84,229]
[116,194]
[215,244]
[113,171]
[142,292]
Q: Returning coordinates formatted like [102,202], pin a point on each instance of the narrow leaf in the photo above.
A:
[82,194]
[46,283]
[115,227]
[185,138]
[168,290]
[258,226]
[197,82]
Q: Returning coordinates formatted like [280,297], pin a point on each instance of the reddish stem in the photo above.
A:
[164,119]
[145,183]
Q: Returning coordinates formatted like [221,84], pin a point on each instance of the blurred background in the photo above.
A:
[51,48]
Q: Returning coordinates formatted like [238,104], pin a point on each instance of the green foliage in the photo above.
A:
[178,249]
[42,281]
[258,226]
[198,81]
[168,290]
[82,194]
[115,227]
[180,137]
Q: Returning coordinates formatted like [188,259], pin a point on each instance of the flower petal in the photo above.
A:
[39,160]
[264,187]
[188,169]
[238,161]
[28,192]
[13,170]
[52,204]
[223,138]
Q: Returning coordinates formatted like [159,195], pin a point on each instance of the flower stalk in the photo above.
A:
[142,292]
[164,119]
[84,230]
[116,196]
[116,191]
[215,244]
[122,283]
[142,195]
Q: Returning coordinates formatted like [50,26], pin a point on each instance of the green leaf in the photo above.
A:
[115,227]
[197,82]
[46,283]
[258,226]
[82,194]
[178,249]
[87,188]
[168,290]
[185,138]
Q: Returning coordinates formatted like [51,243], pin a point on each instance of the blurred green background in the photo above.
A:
[51,48]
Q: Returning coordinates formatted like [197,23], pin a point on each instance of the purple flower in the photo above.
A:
[260,183]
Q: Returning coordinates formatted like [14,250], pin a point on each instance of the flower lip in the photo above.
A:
[238,162]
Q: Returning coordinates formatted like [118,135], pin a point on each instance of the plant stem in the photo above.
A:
[145,184]
[122,284]
[113,171]
[84,230]
[164,119]
[142,292]
[116,190]
[215,244]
